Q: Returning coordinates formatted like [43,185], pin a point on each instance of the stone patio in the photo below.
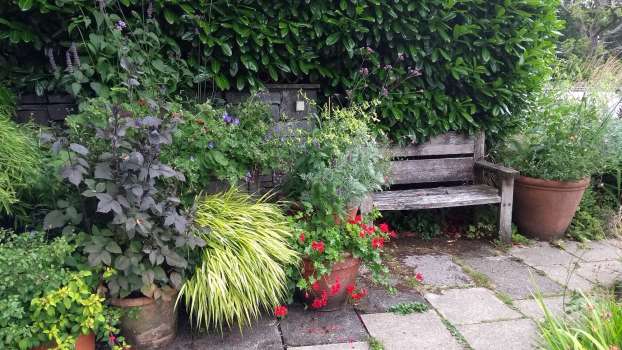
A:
[464,312]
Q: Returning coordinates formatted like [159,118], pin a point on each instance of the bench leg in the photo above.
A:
[505,209]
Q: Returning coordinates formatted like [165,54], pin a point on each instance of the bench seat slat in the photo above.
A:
[439,197]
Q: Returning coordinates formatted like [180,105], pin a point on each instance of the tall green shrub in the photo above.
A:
[479,59]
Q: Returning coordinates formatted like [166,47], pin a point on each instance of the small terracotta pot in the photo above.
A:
[152,324]
[543,209]
[344,271]
[83,342]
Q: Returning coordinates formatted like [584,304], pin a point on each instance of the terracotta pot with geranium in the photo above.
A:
[333,167]
[332,254]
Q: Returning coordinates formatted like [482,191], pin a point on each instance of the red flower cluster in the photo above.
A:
[377,242]
[357,220]
[320,302]
[318,246]
[356,296]
[280,311]
[301,238]
[334,289]
[419,277]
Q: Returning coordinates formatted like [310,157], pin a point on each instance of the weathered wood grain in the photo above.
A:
[445,144]
[431,170]
[439,197]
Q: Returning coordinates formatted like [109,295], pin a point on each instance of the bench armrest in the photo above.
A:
[499,169]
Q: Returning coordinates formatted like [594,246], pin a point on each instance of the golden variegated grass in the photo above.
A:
[242,268]
[596,325]
[20,157]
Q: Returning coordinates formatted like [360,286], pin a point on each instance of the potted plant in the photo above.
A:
[52,305]
[332,254]
[560,145]
[334,166]
[131,228]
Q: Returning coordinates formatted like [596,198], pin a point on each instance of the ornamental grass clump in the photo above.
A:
[242,268]
[20,157]
[596,324]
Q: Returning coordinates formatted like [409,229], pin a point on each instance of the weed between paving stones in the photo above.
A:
[480,279]
[455,333]
[408,308]
[375,344]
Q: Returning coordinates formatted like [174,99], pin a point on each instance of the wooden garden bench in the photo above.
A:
[456,162]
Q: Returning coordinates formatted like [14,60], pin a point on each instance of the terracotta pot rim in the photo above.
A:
[552,185]
[131,302]
[136,301]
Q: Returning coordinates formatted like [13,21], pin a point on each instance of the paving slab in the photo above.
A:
[421,331]
[340,346]
[379,300]
[438,270]
[507,335]
[468,306]
[531,309]
[566,276]
[264,334]
[616,242]
[514,277]
[542,254]
[605,273]
[593,251]
[307,327]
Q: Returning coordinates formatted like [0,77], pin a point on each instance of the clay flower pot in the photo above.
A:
[83,342]
[151,325]
[543,209]
[334,284]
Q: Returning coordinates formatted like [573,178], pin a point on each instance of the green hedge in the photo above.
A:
[479,58]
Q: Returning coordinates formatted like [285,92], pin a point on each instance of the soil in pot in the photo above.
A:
[331,288]
[543,209]
[83,342]
[148,323]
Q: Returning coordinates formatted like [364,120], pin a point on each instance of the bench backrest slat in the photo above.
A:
[444,158]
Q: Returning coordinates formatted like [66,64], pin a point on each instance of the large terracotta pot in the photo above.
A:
[543,209]
[152,324]
[84,342]
[343,274]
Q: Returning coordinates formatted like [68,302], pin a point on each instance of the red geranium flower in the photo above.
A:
[316,286]
[318,246]
[384,227]
[393,234]
[419,277]
[370,229]
[334,289]
[362,234]
[357,219]
[301,237]
[280,311]
[377,242]
[350,289]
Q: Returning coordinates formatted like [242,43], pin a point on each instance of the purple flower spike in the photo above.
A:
[388,67]
[415,72]
[384,92]
[364,71]
[227,118]
[120,25]
[369,49]
[236,121]
[400,56]
[210,145]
